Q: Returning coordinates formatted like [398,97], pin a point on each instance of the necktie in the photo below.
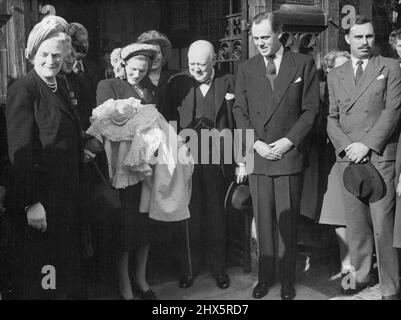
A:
[271,71]
[207,82]
[359,71]
[271,67]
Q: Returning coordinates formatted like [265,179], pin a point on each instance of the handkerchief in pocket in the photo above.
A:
[298,80]
[381,77]
[230,96]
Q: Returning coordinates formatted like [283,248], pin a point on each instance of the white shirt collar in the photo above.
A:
[204,87]
[75,66]
[354,61]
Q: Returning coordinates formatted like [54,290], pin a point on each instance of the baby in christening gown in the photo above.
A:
[141,146]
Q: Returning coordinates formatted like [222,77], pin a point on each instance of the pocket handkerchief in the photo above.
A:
[230,96]
[381,77]
[298,80]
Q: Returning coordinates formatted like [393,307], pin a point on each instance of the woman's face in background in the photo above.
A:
[69,60]
[83,38]
[398,47]
[49,59]
[158,61]
[136,69]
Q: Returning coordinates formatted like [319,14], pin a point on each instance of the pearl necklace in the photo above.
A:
[52,86]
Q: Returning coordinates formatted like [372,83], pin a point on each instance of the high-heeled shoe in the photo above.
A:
[144,295]
[147,295]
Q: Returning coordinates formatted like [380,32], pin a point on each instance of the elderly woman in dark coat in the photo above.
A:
[44,140]
[131,65]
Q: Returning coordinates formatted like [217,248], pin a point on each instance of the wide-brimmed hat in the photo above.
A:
[153,36]
[364,182]
[238,197]
[119,57]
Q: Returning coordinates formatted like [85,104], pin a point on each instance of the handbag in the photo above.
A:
[105,190]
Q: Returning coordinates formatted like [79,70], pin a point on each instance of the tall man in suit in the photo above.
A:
[365,99]
[201,99]
[277,96]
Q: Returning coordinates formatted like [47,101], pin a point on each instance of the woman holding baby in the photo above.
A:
[131,65]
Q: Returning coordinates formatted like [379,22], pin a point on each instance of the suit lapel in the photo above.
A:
[221,87]
[346,74]
[288,69]
[370,74]
[261,82]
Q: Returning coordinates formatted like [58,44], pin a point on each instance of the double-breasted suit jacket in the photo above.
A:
[289,112]
[369,113]
[286,110]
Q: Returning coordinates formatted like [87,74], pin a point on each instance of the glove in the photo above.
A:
[36,217]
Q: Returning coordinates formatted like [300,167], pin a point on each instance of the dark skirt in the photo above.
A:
[58,248]
[134,229]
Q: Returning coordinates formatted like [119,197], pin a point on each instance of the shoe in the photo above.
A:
[222,281]
[260,290]
[143,295]
[146,295]
[358,288]
[287,293]
[373,280]
[186,281]
[393,297]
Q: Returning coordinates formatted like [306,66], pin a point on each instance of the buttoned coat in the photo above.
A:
[368,112]
[290,112]
[179,105]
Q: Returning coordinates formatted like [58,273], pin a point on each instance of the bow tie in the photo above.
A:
[207,82]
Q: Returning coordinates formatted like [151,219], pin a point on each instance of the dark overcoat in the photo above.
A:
[44,141]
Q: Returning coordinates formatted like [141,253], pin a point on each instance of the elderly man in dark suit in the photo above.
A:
[201,99]
[277,95]
[363,124]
